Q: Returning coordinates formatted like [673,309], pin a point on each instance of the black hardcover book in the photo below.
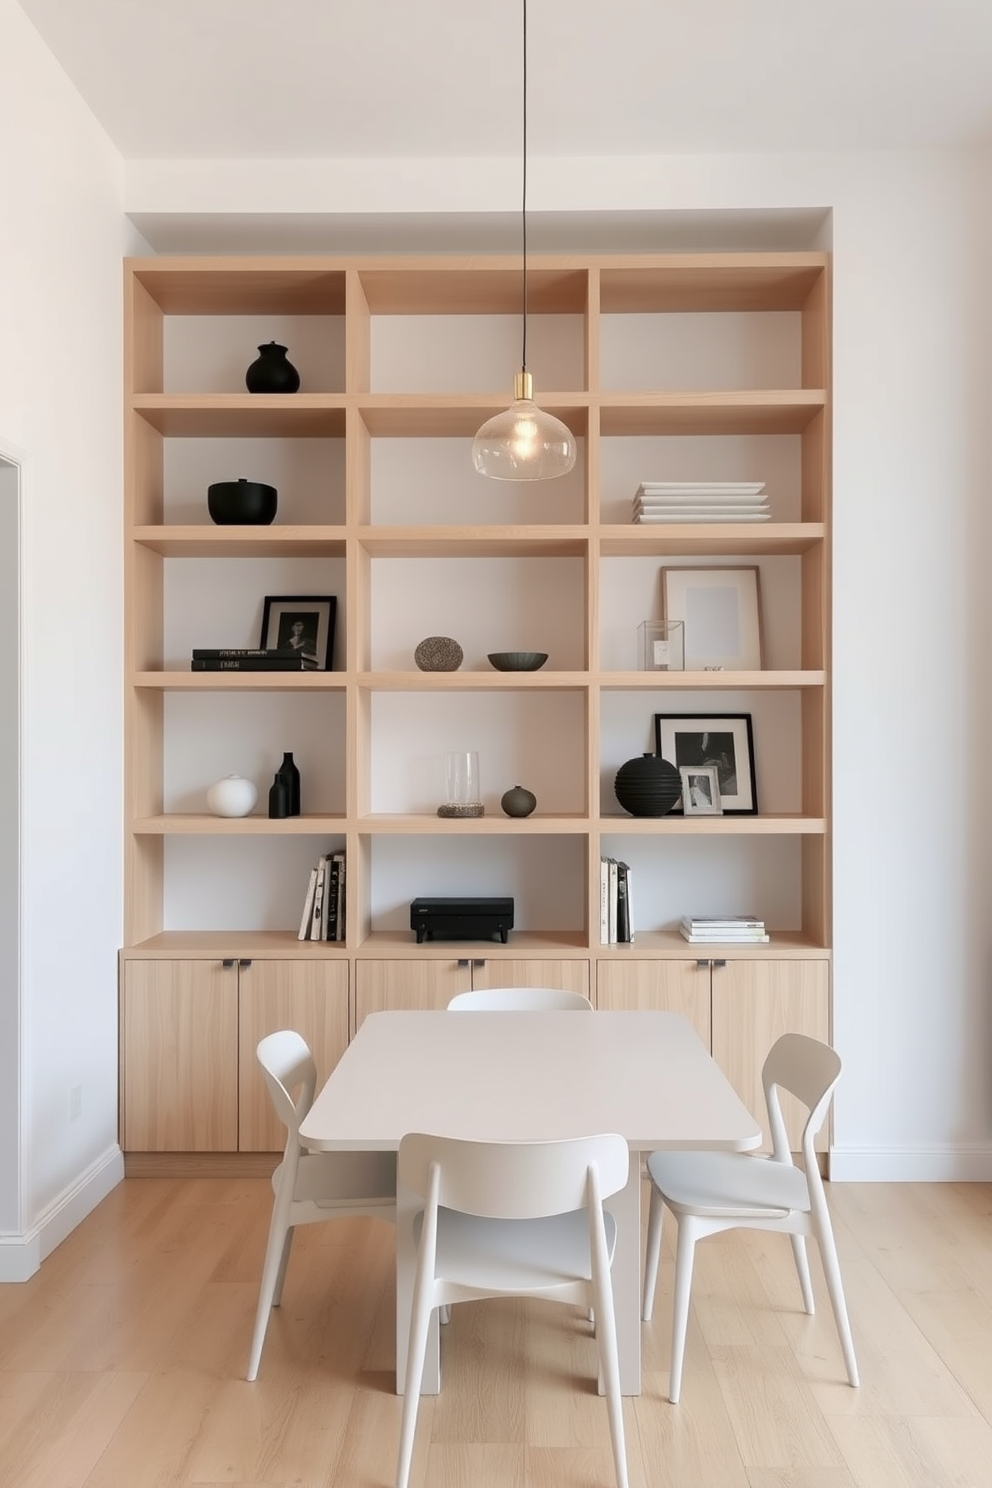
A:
[213,653]
[252,664]
[623,913]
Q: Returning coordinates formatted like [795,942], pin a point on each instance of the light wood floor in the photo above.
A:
[121,1362]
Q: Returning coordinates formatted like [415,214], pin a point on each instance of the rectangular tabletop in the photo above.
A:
[523,1076]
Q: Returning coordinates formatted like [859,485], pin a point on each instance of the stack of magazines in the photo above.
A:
[248,659]
[701,501]
[726,930]
[323,908]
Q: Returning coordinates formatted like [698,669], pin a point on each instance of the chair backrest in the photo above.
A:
[288,1066]
[514,1180]
[520,1000]
[809,1070]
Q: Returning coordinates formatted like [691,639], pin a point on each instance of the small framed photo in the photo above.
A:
[701,790]
[721,741]
[301,622]
[721,617]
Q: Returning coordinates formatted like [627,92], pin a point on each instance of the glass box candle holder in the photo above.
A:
[661,646]
[462,791]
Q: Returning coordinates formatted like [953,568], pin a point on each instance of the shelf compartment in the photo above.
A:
[682,283]
[239,286]
[194,541]
[446,288]
[711,539]
[751,412]
[243,415]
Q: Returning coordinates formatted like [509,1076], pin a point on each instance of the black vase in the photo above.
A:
[271,372]
[290,777]
[278,799]
[648,786]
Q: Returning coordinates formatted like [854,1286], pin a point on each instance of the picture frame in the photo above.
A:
[720,611]
[722,740]
[301,622]
[701,790]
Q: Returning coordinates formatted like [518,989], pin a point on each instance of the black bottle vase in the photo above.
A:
[648,786]
[290,777]
[278,799]
[270,372]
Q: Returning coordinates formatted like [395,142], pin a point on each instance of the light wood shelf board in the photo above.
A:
[735,681]
[784,945]
[183,824]
[469,681]
[210,945]
[243,415]
[196,541]
[457,415]
[241,681]
[475,542]
[492,824]
[784,825]
[748,412]
[685,539]
[238,286]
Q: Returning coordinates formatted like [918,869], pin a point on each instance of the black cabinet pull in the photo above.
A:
[462,961]
[718,965]
[227,963]
[244,963]
[702,966]
[478,963]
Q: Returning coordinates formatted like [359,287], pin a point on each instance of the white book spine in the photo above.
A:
[308,907]
[613,901]
[604,901]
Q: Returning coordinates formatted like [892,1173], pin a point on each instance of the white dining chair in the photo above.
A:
[520,1000]
[309,1187]
[517,1219]
[713,1191]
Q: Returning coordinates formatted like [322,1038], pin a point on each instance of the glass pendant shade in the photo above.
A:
[523,442]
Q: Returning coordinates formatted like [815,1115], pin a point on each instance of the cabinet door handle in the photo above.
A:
[478,963]
[227,963]
[702,966]
[462,961]
[718,965]
[244,963]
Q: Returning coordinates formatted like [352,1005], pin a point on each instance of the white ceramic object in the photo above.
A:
[232,796]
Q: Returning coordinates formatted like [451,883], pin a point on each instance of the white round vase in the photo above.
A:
[232,796]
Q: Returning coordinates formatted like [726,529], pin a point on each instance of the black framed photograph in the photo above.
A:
[721,740]
[301,623]
[701,790]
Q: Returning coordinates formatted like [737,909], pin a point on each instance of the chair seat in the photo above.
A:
[729,1184]
[515,1255]
[338,1177]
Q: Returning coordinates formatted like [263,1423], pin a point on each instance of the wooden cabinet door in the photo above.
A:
[665,986]
[572,976]
[418,985]
[753,1003]
[179,1068]
[309,996]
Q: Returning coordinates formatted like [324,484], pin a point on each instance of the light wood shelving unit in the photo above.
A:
[344,515]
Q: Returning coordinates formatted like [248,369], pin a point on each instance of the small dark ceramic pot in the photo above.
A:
[241,503]
[648,786]
[270,372]
[518,802]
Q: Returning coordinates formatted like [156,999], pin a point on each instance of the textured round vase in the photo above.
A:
[518,801]
[232,796]
[439,654]
[241,503]
[270,372]
[648,786]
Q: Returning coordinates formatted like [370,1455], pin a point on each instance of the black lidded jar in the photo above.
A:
[271,372]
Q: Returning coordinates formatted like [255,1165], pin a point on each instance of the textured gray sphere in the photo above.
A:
[439,654]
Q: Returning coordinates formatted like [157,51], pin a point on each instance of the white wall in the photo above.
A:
[913,685]
[62,239]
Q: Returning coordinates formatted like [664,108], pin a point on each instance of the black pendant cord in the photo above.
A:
[523,207]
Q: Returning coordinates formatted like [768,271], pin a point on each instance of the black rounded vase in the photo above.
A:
[241,503]
[518,801]
[648,786]
[270,372]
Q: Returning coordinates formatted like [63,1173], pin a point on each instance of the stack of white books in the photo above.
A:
[701,501]
[727,930]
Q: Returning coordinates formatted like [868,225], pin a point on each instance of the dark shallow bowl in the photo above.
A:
[241,503]
[518,661]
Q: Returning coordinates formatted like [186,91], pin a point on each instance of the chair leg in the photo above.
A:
[420,1317]
[273,1271]
[802,1266]
[835,1288]
[652,1254]
[609,1362]
[684,1255]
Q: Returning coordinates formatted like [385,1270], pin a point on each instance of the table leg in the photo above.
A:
[626,1206]
[407,1207]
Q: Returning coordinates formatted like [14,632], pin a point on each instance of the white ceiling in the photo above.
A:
[220,79]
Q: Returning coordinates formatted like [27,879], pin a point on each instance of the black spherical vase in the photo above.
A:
[242,503]
[648,786]
[271,372]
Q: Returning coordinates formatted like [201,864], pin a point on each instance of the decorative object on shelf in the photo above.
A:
[278,798]
[462,794]
[439,654]
[524,442]
[247,659]
[271,372]
[724,740]
[660,645]
[242,503]
[454,919]
[518,661]
[518,801]
[700,790]
[232,796]
[289,774]
[648,785]
[722,616]
[302,623]
[701,501]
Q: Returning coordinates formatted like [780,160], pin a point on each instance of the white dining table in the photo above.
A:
[528,1076]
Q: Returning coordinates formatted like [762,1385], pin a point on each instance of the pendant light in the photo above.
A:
[523,443]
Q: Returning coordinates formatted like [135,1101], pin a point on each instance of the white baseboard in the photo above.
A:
[22,1255]
[962,1164]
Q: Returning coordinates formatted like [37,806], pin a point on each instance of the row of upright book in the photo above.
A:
[323,908]
[252,659]
[616,915]
[730,930]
